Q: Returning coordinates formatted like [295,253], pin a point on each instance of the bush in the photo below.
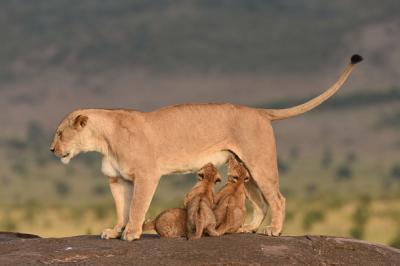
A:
[327,158]
[89,231]
[8,223]
[351,157]
[62,188]
[395,241]
[99,190]
[16,144]
[395,172]
[357,232]
[312,217]
[311,189]
[282,166]
[289,216]
[334,202]
[344,172]
[35,135]
[100,212]
[360,218]
[19,168]
[31,207]
[294,153]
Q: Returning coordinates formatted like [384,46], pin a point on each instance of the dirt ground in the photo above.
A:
[236,249]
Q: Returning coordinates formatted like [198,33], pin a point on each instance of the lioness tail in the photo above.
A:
[279,114]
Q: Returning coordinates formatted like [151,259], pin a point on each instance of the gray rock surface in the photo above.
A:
[237,249]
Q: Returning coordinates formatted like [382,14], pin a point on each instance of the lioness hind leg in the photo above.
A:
[264,170]
[260,207]
[276,201]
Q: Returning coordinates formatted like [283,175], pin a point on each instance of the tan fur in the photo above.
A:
[199,202]
[230,209]
[170,223]
[140,147]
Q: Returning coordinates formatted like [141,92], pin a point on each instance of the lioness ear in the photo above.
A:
[80,121]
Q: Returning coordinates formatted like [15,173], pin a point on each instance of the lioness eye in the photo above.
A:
[59,134]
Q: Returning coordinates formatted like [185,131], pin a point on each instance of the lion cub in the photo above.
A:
[169,223]
[199,202]
[230,209]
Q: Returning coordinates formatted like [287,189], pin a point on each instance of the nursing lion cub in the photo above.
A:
[230,209]
[199,202]
[170,223]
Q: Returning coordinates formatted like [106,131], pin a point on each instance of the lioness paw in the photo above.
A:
[272,231]
[110,233]
[129,235]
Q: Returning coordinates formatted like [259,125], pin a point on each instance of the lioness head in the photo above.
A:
[237,172]
[72,137]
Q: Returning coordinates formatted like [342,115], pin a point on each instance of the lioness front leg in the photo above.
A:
[121,191]
[143,192]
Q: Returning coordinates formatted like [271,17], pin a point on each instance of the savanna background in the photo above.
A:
[339,164]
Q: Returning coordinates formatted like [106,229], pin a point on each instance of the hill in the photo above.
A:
[240,35]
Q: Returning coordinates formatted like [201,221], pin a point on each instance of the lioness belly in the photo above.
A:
[194,164]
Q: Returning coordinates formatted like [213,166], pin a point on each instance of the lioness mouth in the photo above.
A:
[66,155]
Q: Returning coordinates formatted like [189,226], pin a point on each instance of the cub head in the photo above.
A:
[72,137]
[237,172]
[209,173]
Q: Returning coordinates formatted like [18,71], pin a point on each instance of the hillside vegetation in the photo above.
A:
[239,35]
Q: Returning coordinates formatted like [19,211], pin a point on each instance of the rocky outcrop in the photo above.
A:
[236,249]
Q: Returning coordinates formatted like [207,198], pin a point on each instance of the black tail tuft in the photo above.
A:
[356,58]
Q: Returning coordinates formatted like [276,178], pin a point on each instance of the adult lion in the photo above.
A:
[140,147]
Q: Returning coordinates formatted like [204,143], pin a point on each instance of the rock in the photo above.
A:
[235,249]
[12,236]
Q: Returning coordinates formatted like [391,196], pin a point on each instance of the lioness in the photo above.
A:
[199,203]
[140,147]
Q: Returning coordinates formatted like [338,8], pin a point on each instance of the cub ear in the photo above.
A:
[80,121]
